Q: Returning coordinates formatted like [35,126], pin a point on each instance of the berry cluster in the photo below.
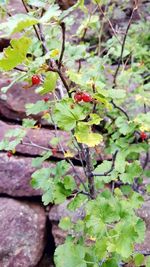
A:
[82,96]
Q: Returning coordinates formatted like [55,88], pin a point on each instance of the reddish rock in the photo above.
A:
[16,172]
[40,137]
[58,234]
[22,233]
[15,176]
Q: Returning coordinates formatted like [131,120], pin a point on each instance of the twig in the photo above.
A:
[84,193]
[35,145]
[111,168]
[146,159]
[94,91]
[121,109]
[147,153]
[8,13]
[35,29]
[22,70]
[122,48]
[42,37]
[103,13]
[79,149]
[89,170]
[76,174]
[63,29]
[61,77]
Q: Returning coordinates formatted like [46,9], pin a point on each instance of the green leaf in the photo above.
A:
[120,162]
[140,229]
[36,108]
[77,202]
[103,167]
[60,194]
[52,12]
[133,170]
[110,263]
[12,138]
[65,116]
[148,188]
[84,135]
[116,93]
[28,123]
[69,182]
[15,54]
[123,125]
[48,197]
[95,226]
[37,162]
[40,179]
[139,259]
[49,84]
[61,168]
[70,255]
[94,119]
[65,223]
[17,23]
[148,261]
[17,132]
[144,121]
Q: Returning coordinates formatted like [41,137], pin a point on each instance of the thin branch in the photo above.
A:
[61,77]
[104,15]
[35,29]
[42,38]
[122,47]
[84,193]
[147,153]
[34,145]
[111,168]
[89,170]
[63,29]
[23,2]
[79,149]
[121,109]
[22,70]
[8,13]
[76,174]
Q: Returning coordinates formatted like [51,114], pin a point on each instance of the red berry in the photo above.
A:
[36,79]
[86,97]
[8,81]
[143,136]
[9,154]
[54,151]
[46,99]
[78,97]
